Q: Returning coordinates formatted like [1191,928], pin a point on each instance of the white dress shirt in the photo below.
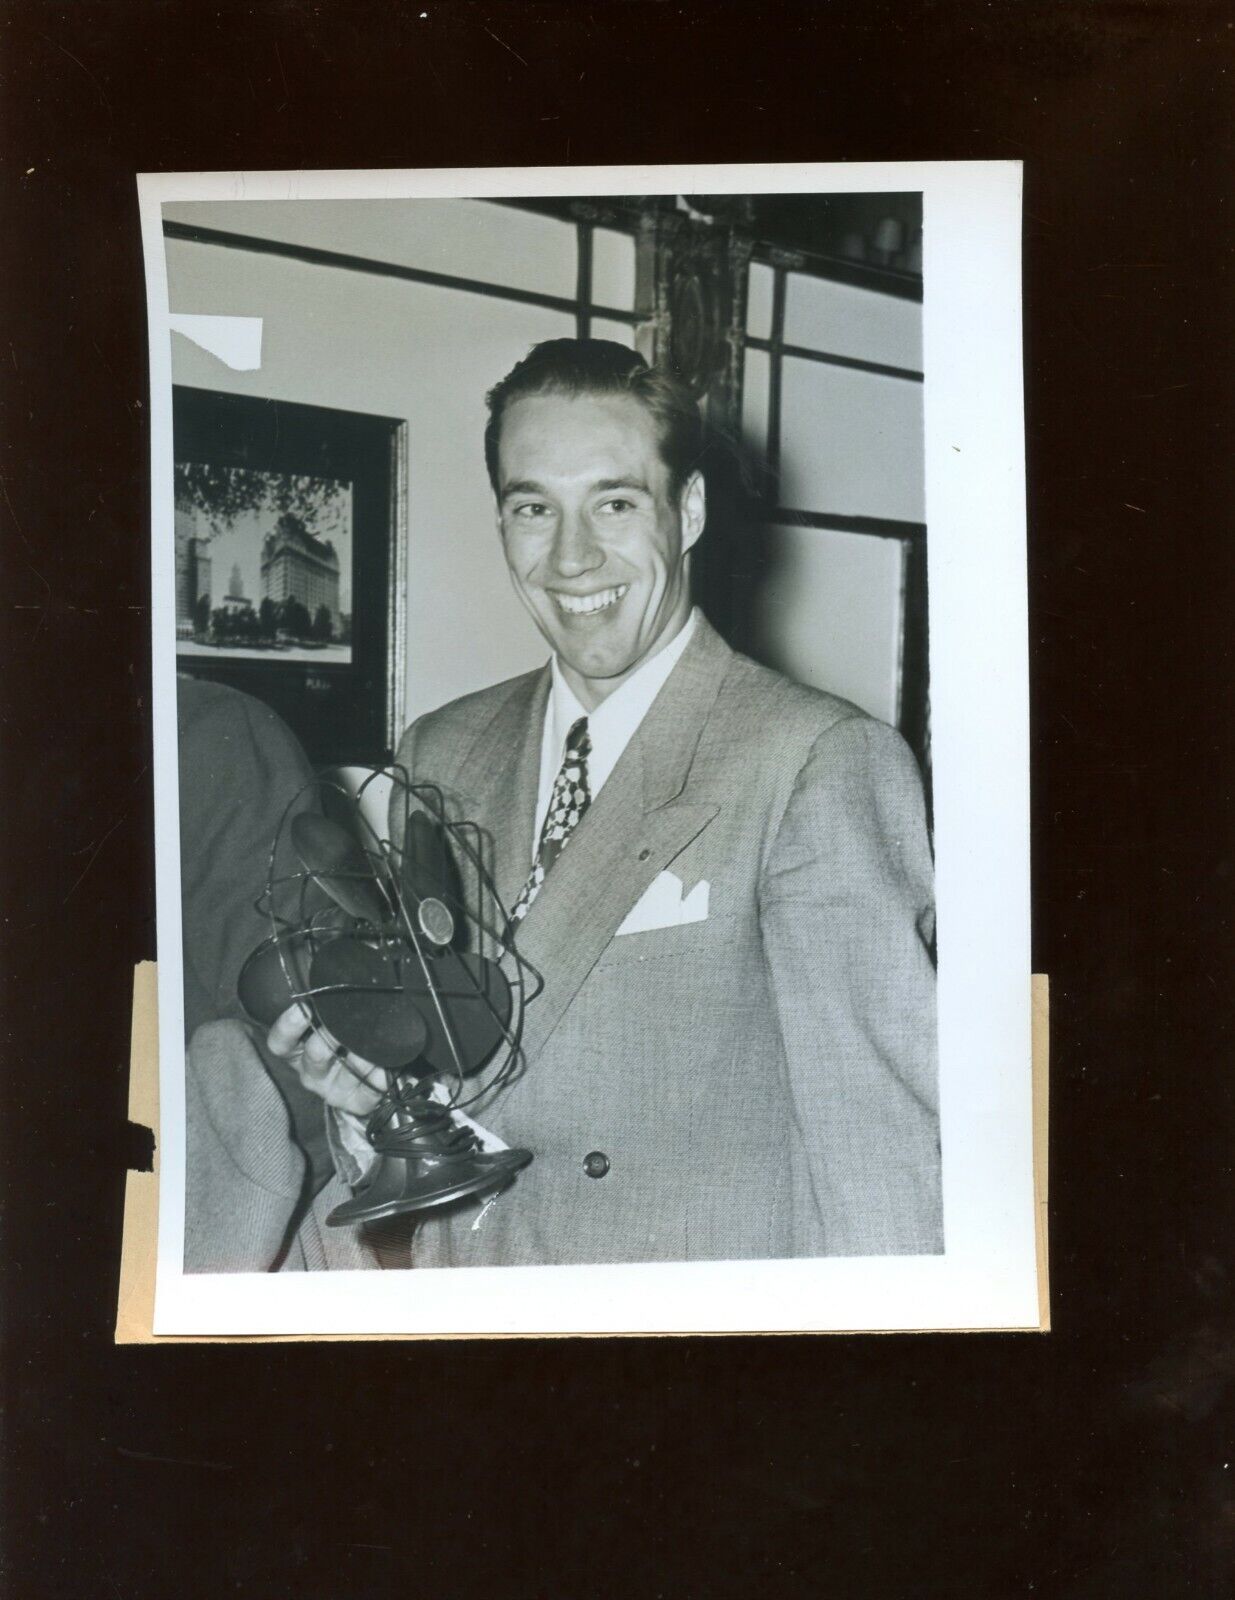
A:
[611,726]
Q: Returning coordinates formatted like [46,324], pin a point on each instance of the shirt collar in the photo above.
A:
[619,714]
[610,727]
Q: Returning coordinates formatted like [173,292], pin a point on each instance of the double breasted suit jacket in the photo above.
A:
[760,1083]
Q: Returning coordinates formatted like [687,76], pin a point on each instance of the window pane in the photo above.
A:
[828,613]
[613,269]
[466,238]
[836,317]
[851,442]
[759,301]
[619,332]
[755,403]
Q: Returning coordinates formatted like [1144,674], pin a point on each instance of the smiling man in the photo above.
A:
[596,522]
[723,877]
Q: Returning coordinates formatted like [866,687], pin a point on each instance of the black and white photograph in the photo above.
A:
[618,789]
[591,750]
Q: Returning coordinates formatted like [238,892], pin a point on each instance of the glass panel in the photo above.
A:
[466,238]
[759,301]
[619,332]
[613,269]
[755,391]
[851,442]
[828,613]
[836,317]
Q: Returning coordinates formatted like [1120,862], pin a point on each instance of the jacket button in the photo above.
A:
[644,854]
[596,1163]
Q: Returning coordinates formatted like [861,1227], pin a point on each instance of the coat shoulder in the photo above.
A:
[771,706]
[794,728]
[453,726]
[481,706]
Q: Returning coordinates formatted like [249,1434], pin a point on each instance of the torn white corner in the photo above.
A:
[235,341]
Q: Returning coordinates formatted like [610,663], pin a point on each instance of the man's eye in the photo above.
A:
[531,510]
[617,507]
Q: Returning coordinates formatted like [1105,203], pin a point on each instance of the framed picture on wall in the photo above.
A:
[288,556]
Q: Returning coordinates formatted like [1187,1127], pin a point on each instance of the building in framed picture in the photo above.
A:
[193,575]
[296,566]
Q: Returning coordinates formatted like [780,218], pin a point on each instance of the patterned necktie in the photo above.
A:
[567,804]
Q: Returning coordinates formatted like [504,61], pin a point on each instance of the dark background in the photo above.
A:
[1089,1462]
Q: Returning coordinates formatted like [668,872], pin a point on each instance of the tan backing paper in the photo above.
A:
[139,1249]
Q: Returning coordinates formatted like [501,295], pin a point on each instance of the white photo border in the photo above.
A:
[975,514]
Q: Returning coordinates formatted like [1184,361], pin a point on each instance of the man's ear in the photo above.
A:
[694,510]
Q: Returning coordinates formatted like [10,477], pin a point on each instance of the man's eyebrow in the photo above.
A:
[601,486]
[607,485]
[522,486]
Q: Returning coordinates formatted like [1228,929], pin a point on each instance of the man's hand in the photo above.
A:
[344,1081]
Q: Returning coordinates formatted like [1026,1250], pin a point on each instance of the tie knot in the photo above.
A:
[578,742]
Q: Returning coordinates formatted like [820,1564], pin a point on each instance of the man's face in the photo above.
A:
[595,543]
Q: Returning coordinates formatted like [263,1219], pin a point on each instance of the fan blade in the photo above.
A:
[429,870]
[336,802]
[273,976]
[369,1006]
[339,866]
[475,998]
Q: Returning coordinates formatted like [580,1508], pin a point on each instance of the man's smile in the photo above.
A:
[595,532]
[588,605]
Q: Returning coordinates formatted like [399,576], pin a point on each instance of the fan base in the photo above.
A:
[399,1184]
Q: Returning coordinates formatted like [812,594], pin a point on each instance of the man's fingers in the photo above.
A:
[288,1030]
[361,1078]
[343,1088]
[337,1083]
[319,1051]
[347,1082]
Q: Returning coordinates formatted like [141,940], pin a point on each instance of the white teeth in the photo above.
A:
[583,605]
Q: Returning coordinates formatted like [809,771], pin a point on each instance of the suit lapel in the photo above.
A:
[642,819]
[498,782]
[670,733]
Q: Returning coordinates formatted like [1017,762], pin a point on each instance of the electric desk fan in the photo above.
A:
[402,954]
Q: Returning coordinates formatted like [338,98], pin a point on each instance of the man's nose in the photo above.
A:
[576,550]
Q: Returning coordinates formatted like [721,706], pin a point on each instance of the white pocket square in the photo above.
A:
[663,905]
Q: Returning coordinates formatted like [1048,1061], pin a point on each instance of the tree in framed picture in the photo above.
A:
[288,581]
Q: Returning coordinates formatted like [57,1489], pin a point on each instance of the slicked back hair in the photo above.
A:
[597,367]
